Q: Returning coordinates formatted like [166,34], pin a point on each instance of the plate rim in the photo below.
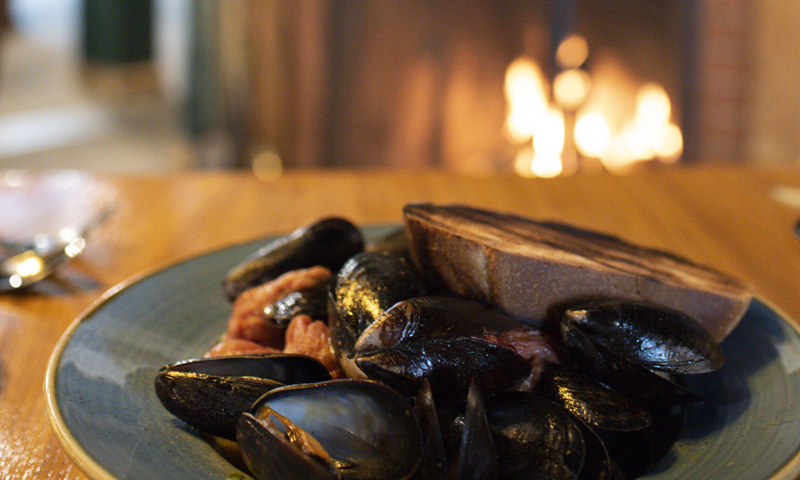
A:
[84,461]
[94,470]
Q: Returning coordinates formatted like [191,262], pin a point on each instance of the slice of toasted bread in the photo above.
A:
[533,270]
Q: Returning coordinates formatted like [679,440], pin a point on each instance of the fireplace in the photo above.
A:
[613,85]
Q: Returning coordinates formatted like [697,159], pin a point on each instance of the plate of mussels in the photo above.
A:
[463,343]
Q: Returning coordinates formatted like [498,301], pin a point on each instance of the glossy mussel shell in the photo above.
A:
[312,301]
[653,337]
[367,285]
[328,242]
[441,339]
[534,438]
[210,393]
[367,429]
[591,401]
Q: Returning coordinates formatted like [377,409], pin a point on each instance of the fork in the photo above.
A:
[30,263]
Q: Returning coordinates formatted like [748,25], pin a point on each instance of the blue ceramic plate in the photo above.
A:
[103,409]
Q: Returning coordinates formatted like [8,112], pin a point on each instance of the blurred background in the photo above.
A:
[537,87]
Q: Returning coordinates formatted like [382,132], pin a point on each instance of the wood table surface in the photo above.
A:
[724,217]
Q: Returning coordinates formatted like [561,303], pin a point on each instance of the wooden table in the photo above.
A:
[723,217]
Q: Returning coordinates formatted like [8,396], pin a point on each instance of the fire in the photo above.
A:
[532,119]
[526,96]
[544,159]
[649,134]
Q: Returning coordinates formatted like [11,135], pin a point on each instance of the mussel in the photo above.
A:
[477,456]
[211,393]
[591,401]
[366,429]
[328,242]
[311,301]
[638,350]
[534,437]
[366,286]
[441,339]
[433,464]
[654,337]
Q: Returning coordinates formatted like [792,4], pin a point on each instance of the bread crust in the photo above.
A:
[533,270]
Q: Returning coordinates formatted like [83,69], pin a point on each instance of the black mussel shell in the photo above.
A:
[369,430]
[311,301]
[434,464]
[668,422]
[286,461]
[440,338]
[477,458]
[367,285]
[597,464]
[328,242]
[635,452]
[590,400]
[534,437]
[631,452]
[230,384]
[633,381]
[654,337]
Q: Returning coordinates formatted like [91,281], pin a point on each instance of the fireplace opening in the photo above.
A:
[539,87]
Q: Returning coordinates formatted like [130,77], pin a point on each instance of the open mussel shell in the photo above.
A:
[440,338]
[591,401]
[367,285]
[368,429]
[433,464]
[284,442]
[230,385]
[534,438]
[477,457]
[328,242]
[654,337]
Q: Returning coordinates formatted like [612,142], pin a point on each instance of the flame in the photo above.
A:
[592,135]
[572,52]
[532,119]
[648,135]
[526,96]
[571,87]
[601,129]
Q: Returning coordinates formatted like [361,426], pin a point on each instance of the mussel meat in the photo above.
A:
[367,429]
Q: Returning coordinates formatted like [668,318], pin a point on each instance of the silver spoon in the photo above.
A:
[31,263]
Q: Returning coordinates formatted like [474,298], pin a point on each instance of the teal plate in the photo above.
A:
[102,407]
